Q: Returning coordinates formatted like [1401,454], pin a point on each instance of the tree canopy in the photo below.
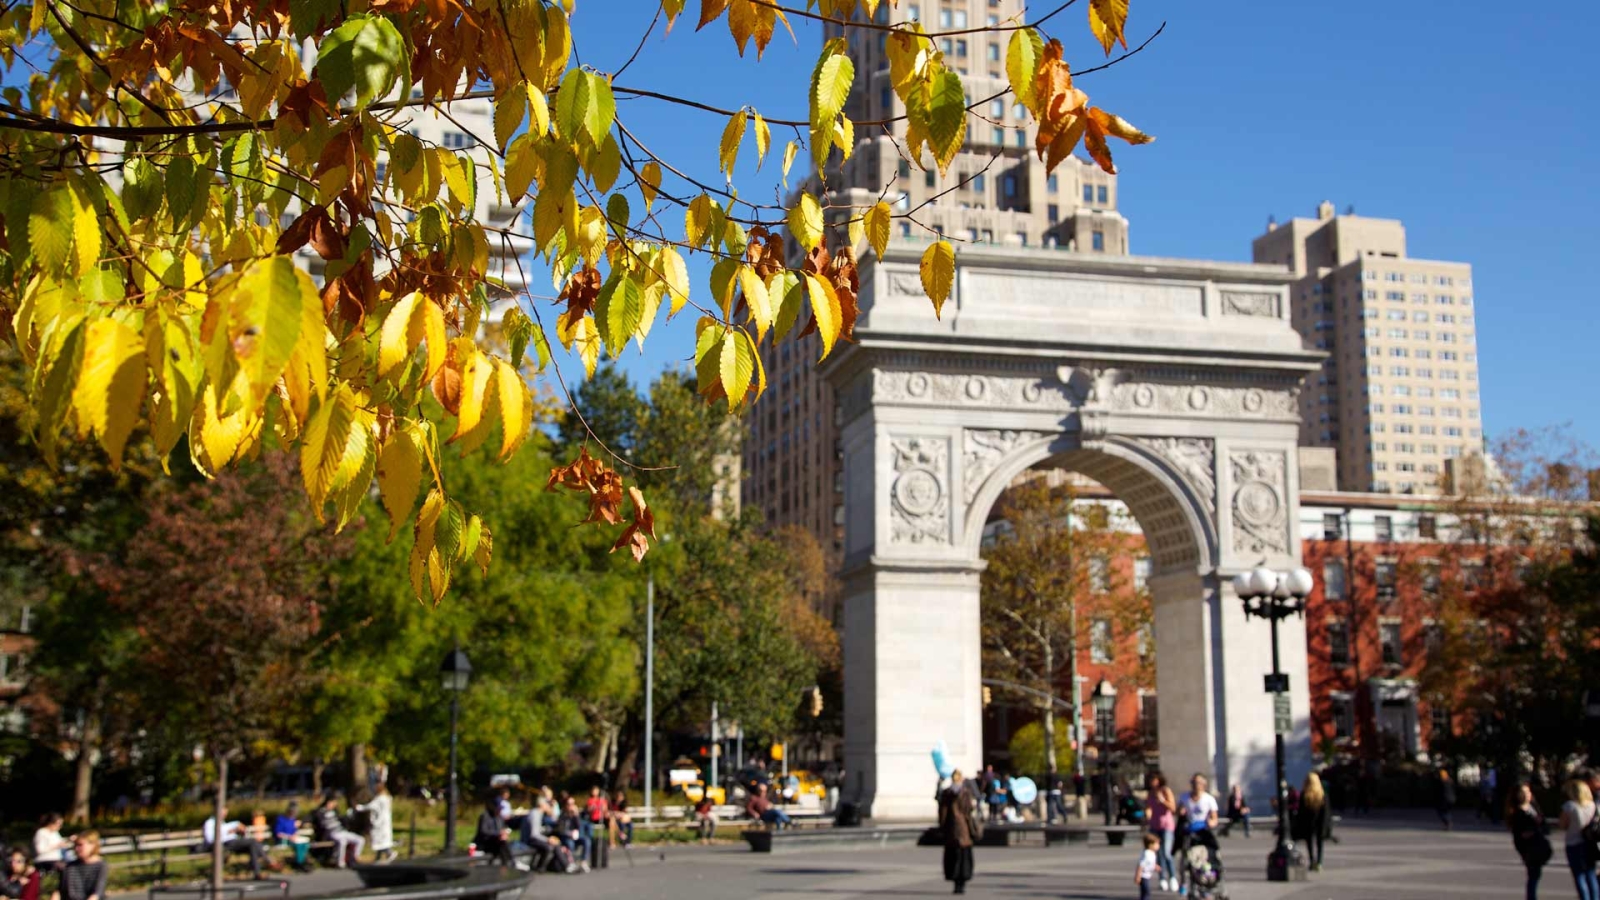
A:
[163,165]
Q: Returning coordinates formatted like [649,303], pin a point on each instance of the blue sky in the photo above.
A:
[1473,122]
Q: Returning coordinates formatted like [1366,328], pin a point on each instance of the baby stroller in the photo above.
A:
[1203,870]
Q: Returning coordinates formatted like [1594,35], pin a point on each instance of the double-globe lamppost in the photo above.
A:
[1273,595]
[1105,708]
[454,673]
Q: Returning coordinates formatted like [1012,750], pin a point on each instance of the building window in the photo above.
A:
[1052,184]
[1100,641]
[980,182]
[1099,574]
[1148,718]
[1146,640]
[997,136]
[1344,716]
[994,52]
[1097,240]
[1338,643]
[1383,575]
[1088,193]
[1389,641]
[1384,525]
[930,178]
[1332,580]
[1100,194]
[1141,573]
[1472,575]
[1053,213]
[1010,183]
[1427,527]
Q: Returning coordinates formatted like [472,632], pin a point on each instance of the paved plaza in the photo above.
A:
[1396,857]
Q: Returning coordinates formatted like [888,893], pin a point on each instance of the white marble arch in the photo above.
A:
[1173,383]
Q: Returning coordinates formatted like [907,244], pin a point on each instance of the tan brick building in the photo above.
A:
[1398,394]
[995,192]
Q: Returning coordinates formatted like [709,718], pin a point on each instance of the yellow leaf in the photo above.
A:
[327,445]
[423,556]
[938,270]
[586,337]
[393,345]
[460,176]
[427,324]
[737,365]
[541,112]
[516,407]
[728,150]
[825,309]
[697,221]
[855,229]
[1107,19]
[522,164]
[400,473]
[509,111]
[789,152]
[215,439]
[484,550]
[331,184]
[763,140]
[475,379]
[805,222]
[877,226]
[362,464]
[111,385]
[755,296]
[676,274]
[85,232]
[650,183]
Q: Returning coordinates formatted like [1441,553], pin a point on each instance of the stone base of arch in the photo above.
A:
[913,680]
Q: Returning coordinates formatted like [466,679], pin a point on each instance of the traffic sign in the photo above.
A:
[1281,721]
[1277,684]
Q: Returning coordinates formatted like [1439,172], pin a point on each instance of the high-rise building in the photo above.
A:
[996,191]
[1398,394]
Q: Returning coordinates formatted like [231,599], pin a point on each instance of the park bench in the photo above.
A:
[1079,833]
[810,840]
[165,847]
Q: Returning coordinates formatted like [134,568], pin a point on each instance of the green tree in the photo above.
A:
[605,409]
[1027,750]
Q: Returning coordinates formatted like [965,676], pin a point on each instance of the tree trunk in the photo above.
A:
[358,767]
[316,777]
[83,776]
[217,805]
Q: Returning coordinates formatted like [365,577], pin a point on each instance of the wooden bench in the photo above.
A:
[762,840]
[171,847]
[1079,833]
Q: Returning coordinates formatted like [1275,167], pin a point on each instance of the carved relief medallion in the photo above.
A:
[1260,512]
[919,502]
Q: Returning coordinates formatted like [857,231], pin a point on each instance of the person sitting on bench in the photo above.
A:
[235,839]
[762,810]
[286,833]
[492,836]
[329,827]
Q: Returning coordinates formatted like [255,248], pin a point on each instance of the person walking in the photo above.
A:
[1197,813]
[1161,809]
[1313,822]
[1578,811]
[1055,803]
[1447,798]
[380,817]
[960,826]
[85,877]
[1148,866]
[1529,835]
[1238,810]
[996,791]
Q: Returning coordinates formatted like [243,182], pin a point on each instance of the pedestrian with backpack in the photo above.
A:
[1528,834]
[1578,823]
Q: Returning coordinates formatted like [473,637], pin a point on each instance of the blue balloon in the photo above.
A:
[941,761]
[1024,790]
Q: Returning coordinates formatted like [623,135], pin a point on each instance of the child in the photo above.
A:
[1146,873]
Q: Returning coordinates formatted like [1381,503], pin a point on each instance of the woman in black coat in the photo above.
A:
[1528,834]
[1313,823]
[959,823]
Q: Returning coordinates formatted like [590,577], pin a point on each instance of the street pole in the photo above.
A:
[715,749]
[1080,805]
[1105,764]
[649,691]
[450,796]
[1282,850]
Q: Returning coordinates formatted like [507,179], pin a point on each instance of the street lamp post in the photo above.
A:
[1272,596]
[454,673]
[1105,707]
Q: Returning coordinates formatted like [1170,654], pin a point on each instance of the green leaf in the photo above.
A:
[831,87]
[509,112]
[617,212]
[785,285]
[618,311]
[142,188]
[737,365]
[50,229]
[1022,62]
[585,107]
[365,54]
[947,126]
[182,186]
